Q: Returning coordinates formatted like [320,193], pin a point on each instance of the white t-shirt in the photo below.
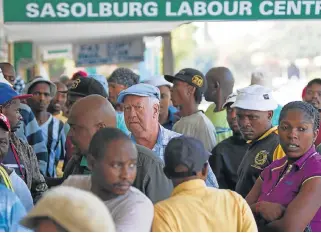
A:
[198,126]
[132,212]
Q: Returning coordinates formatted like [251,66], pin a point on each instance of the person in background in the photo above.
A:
[57,104]
[67,209]
[20,156]
[286,196]
[113,160]
[119,80]
[167,112]
[257,78]
[312,95]
[189,87]
[29,130]
[19,84]
[9,177]
[43,91]
[64,79]
[254,107]
[11,211]
[101,114]
[9,72]
[228,154]
[220,83]
[3,80]
[193,206]
[79,74]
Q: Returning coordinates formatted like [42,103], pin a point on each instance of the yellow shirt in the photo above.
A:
[220,123]
[195,207]
[61,117]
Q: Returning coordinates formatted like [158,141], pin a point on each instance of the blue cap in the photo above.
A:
[141,89]
[7,94]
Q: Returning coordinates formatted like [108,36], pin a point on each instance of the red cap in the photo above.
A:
[4,121]
[79,73]
[304,92]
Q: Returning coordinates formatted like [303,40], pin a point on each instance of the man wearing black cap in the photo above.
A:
[193,206]
[187,92]
[83,87]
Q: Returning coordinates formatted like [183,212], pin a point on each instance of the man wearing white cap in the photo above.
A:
[167,113]
[254,111]
[68,209]
[228,154]
[257,78]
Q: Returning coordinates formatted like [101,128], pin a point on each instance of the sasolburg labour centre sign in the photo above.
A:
[161,10]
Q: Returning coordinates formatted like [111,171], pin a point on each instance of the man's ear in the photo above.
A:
[91,162]
[191,90]
[101,125]
[156,109]
[270,115]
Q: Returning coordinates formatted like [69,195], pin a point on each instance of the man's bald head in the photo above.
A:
[220,84]
[87,116]
[8,72]
[60,86]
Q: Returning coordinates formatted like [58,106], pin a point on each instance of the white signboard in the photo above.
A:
[110,52]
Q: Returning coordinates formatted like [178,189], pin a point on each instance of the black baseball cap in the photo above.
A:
[186,151]
[191,76]
[87,86]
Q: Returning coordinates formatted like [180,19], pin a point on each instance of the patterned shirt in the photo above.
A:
[11,211]
[29,131]
[19,85]
[33,178]
[163,138]
[55,139]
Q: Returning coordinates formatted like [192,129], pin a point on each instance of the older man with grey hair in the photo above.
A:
[141,110]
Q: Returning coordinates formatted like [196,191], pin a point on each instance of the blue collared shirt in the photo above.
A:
[163,138]
[172,118]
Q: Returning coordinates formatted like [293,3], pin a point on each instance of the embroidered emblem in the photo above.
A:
[75,84]
[197,80]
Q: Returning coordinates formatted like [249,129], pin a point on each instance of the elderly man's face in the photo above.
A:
[253,124]
[140,113]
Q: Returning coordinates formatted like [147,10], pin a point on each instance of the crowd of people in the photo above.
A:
[91,153]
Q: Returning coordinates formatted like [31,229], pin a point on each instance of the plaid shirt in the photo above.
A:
[164,136]
[19,85]
[34,179]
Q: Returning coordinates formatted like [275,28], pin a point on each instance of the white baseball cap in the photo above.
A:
[3,80]
[255,97]
[158,81]
[230,99]
[73,209]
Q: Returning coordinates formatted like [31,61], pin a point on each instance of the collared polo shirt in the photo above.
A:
[260,154]
[195,207]
[283,190]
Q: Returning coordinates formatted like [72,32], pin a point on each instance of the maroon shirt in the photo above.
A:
[282,189]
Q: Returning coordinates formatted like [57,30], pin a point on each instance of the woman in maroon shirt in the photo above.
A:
[286,196]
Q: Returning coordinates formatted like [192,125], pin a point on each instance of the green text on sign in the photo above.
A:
[170,10]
